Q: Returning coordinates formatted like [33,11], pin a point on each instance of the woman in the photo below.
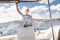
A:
[27,19]
[28,32]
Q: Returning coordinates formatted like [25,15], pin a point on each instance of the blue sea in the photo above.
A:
[9,28]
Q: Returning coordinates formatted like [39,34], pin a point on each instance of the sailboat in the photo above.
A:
[40,36]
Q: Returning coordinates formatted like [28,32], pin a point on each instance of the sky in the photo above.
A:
[38,10]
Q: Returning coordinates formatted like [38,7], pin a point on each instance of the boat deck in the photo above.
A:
[14,37]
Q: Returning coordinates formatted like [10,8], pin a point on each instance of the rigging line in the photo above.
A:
[51,20]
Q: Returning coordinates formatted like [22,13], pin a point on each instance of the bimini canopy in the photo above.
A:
[19,1]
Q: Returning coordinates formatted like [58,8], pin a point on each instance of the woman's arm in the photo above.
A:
[19,10]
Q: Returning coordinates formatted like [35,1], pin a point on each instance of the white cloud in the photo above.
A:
[7,4]
[10,15]
[38,8]
[37,16]
[55,7]
[46,1]
[56,15]
[47,13]
[2,9]
[58,7]
[46,16]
